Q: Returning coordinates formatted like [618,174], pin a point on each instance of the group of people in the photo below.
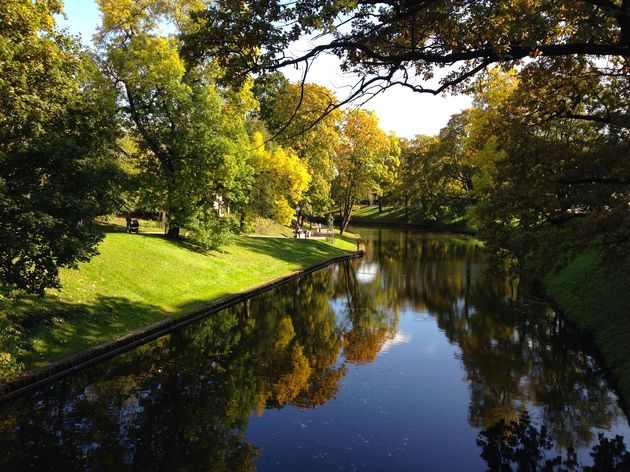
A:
[306,233]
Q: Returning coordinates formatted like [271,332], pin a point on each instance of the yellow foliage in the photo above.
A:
[291,383]
[145,15]
[153,60]
[282,179]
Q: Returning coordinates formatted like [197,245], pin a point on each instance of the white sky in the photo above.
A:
[399,109]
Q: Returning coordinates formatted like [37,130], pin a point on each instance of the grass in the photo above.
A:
[267,227]
[597,299]
[393,216]
[140,279]
[389,215]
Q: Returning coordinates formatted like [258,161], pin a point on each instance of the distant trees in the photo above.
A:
[294,116]
[365,155]
[436,175]
[416,189]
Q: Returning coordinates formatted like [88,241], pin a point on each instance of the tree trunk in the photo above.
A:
[406,208]
[345,220]
[242,223]
[380,205]
[173,224]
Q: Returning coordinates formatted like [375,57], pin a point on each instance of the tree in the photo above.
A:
[417,187]
[57,129]
[407,42]
[280,180]
[436,175]
[391,172]
[303,117]
[522,444]
[193,131]
[551,184]
[361,161]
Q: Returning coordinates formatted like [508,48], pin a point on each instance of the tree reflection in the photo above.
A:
[515,353]
[520,445]
[366,312]
[184,401]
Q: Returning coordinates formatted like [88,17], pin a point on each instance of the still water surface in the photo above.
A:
[396,361]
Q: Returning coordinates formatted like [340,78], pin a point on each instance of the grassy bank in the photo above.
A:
[140,279]
[370,215]
[598,301]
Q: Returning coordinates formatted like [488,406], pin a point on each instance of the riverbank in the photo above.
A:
[597,300]
[138,280]
[395,218]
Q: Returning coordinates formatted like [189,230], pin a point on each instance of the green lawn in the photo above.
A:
[389,215]
[139,279]
[597,299]
[393,216]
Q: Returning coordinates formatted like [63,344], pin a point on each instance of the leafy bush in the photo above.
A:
[211,231]
[11,342]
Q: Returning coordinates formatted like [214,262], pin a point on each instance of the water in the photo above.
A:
[397,361]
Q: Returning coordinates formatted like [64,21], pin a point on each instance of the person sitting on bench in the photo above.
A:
[134,226]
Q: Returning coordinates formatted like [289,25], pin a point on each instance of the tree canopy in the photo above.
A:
[57,130]
[192,130]
[365,155]
[410,42]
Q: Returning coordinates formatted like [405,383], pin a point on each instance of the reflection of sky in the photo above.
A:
[366,272]
[400,338]
[406,410]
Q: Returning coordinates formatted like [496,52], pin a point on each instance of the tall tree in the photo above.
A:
[193,129]
[280,180]
[361,161]
[417,188]
[304,117]
[552,184]
[57,129]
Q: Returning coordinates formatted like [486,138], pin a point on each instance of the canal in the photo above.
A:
[411,358]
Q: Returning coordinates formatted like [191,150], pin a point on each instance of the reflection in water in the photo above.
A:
[310,348]
[520,445]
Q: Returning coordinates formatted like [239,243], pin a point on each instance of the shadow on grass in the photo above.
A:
[41,331]
[182,242]
[284,248]
[298,251]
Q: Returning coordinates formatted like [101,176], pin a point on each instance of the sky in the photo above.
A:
[399,110]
